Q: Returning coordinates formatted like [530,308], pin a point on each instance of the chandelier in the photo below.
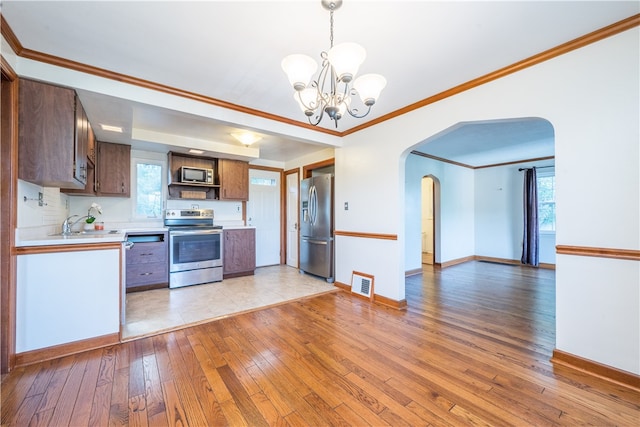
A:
[334,89]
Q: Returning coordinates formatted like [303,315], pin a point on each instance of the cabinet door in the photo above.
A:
[83,129]
[81,143]
[113,170]
[46,135]
[239,251]
[234,179]
[91,144]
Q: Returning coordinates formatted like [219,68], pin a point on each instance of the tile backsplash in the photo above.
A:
[31,214]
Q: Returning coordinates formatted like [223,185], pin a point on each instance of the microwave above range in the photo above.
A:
[195,176]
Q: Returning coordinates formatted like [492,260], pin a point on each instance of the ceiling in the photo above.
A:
[231,51]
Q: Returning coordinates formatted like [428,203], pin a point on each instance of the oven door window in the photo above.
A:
[196,248]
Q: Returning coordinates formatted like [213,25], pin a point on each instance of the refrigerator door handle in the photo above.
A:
[316,242]
[313,204]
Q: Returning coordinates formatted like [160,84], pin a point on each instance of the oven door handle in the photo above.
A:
[192,232]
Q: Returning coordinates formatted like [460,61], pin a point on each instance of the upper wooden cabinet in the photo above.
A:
[89,188]
[53,136]
[111,175]
[233,176]
[113,170]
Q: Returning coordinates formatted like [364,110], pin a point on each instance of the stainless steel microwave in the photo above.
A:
[194,175]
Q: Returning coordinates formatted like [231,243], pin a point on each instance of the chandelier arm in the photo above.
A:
[323,98]
[301,101]
[346,93]
[318,118]
[354,112]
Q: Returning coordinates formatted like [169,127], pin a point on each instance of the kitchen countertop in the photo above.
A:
[102,236]
[237,227]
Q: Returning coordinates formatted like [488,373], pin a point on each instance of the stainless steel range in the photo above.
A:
[195,247]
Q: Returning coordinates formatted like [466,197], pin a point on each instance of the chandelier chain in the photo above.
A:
[331,27]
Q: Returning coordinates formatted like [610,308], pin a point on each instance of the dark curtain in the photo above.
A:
[531,239]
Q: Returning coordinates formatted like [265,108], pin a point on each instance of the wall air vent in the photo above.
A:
[362,285]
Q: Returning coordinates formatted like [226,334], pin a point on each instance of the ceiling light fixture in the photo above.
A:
[246,138]
[111,128]
[194,151]
[339,67]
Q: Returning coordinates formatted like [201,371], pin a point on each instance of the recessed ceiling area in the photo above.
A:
[484,143]
[151,128]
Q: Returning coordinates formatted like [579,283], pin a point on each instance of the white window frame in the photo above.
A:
[541,174]
[134,181]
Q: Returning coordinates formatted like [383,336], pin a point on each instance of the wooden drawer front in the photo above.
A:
[147,253]
[147,273]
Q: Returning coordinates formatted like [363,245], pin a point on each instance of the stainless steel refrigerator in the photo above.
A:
[316,226]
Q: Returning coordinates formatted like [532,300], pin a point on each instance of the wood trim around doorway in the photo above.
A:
[308,169]
[286,198]
[8,214]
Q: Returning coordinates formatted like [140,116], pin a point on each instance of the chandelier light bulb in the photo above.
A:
[346,58]
[299,69]
[369,87]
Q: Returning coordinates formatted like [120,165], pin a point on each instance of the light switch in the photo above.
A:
[346,206]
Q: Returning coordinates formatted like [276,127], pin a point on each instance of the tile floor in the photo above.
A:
[161,310]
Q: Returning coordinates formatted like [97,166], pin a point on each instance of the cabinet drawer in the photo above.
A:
[147,273]
[147,252]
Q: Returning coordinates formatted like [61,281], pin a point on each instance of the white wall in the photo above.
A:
[591,97]
[454,216]
[499,214]
[480,212]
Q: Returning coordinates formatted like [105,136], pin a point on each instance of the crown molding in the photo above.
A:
[608,31]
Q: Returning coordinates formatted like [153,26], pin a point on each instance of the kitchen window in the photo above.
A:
[148,194]
[271,182]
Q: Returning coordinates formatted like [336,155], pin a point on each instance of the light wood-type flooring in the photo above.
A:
[472,348]
[162,310]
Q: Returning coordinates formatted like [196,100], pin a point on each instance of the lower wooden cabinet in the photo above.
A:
[147,261]
[239,248]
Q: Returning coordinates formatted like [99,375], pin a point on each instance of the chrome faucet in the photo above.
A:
[66,225]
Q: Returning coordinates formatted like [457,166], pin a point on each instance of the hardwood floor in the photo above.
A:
[472,348]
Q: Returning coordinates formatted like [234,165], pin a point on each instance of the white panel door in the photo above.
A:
[263,213]
[293,186]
